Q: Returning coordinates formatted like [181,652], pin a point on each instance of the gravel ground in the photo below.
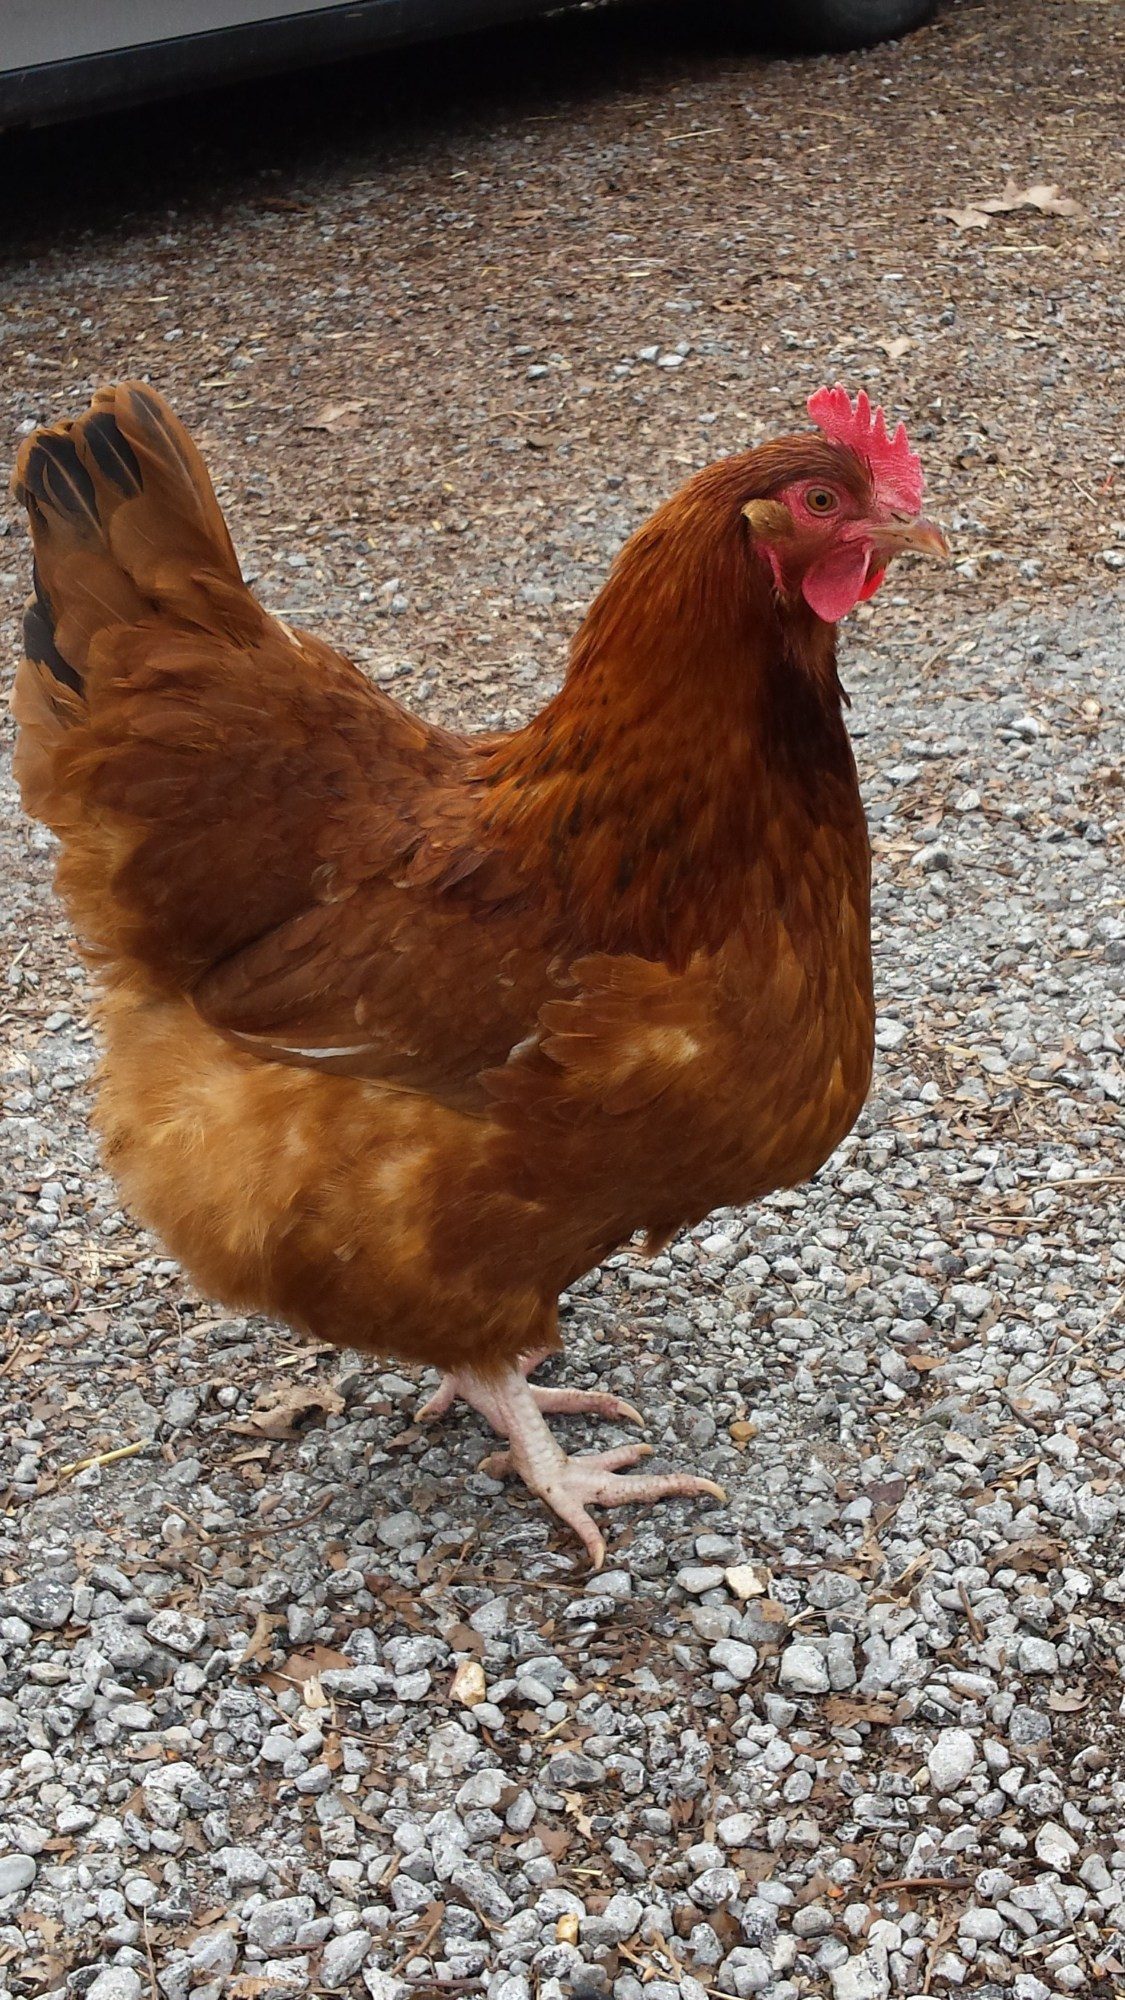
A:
[292,1699]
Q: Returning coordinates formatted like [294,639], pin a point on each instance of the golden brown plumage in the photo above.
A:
[404,1031]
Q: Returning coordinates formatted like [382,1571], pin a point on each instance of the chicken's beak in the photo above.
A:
[906,537]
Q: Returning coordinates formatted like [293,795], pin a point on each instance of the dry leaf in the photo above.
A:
[724,1923]
[217,1916]
[894,349]
[281,1414]
[576,1807]
[554,1840]
[1068,1704]
[303,1670]
[265,1625]
[1038,1554]
[468,1685]
[461,1638]
[358,1813]
[256,1454]
[404,1439]
[815,1889]
[1044,196]
[848,1710]
[965,218]
[337,416]
[395,1598]
[566,1930]
[771,1622]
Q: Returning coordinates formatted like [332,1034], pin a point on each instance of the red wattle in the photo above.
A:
[832,585]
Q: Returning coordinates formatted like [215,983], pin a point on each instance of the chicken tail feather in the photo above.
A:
[126,529]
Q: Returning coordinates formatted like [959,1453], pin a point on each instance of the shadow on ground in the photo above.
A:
[105,173]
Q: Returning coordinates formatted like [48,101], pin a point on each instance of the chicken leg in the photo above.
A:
[568,1485]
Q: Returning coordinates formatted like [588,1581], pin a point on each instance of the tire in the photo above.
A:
[844,24]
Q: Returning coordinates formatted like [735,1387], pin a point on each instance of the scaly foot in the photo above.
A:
[568,1485]
[557,1402]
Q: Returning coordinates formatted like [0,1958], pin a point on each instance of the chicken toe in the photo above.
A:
[569,1486]
[502,1464]
[556,1402]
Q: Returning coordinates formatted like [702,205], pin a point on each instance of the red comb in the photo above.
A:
[896,470]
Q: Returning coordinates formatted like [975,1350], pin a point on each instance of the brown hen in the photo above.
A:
[404,1031]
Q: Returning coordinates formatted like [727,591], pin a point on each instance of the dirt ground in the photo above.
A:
[447,327]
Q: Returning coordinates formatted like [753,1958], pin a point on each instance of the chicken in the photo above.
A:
[404,1030]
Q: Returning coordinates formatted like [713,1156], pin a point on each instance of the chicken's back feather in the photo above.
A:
[245,819]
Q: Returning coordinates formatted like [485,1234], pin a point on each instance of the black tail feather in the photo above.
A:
[124,520]
[112,453]
[39,638]
[54,481]
[56,478]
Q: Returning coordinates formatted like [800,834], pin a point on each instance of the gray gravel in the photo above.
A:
[292,1698]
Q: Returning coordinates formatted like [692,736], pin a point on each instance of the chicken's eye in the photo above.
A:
[820,500]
